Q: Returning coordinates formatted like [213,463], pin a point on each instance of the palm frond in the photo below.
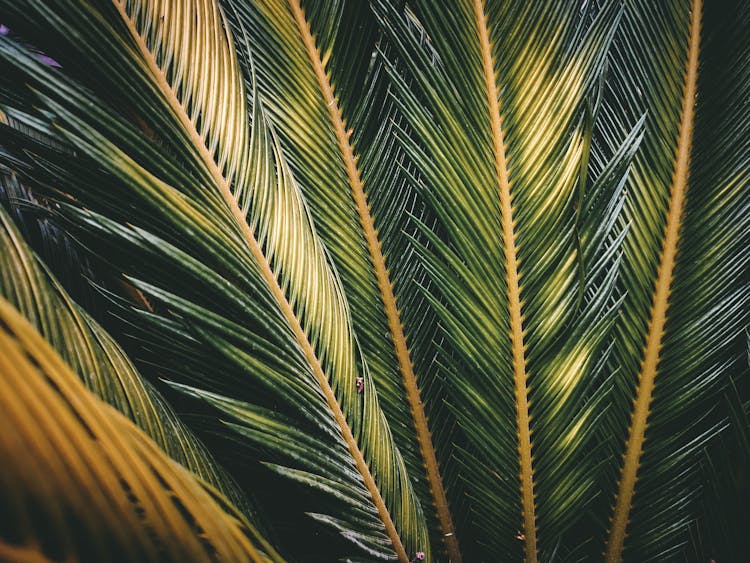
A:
[316,70]
[500,142]
[129,501]
[687,214]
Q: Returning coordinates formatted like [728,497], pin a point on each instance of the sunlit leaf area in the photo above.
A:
[374,280]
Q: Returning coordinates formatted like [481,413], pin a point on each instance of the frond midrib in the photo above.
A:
[660,303]
[514,293]
[273,284]
[393,315]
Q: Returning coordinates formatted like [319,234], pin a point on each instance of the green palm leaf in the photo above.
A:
[687,245]
[313,69]
[500,136]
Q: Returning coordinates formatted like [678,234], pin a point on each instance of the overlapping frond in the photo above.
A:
[501,142]
[99,362]
[243,283]
[317,66]
[685,307]
[81,482]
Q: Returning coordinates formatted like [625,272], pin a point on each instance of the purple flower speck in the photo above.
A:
[49,61]
[42,58]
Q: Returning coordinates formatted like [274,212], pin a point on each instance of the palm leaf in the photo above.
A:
[314,62]
[113,495]
[500,135]
[196,216]
[683,312]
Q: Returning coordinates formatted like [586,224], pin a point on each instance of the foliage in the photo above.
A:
[385,280]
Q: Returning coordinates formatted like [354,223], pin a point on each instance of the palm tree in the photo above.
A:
[415,280]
